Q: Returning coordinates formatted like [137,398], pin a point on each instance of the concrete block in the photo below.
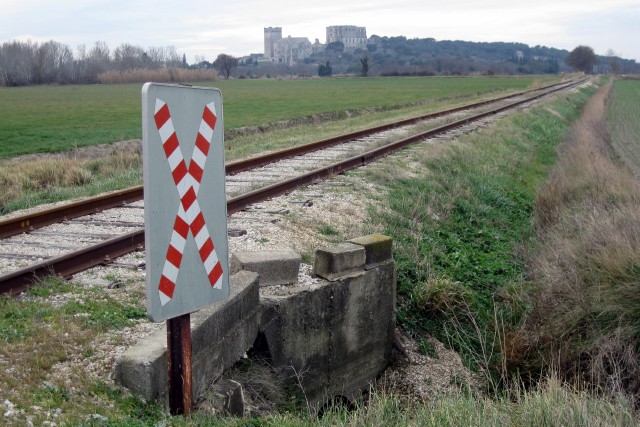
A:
[378,247]
[339,260]
[334,338]
[279,267]
[220,335]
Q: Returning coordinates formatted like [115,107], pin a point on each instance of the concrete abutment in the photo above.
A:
[333,338]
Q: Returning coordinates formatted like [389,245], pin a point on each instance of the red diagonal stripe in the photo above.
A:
[209,117]
[181,227]
[206,249]
[174,256]
[188,198]
[197,224]
[215,274]
[162,116]
[196,171]
[166,286]
[203,144]
[179,172]
[171,144]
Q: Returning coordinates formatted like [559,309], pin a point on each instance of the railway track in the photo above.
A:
[111,225]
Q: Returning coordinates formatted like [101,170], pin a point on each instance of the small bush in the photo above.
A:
[40,181]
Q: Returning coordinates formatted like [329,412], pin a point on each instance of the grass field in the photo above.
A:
[623,124]
[55,118]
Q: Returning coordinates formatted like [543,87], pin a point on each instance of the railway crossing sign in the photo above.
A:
[184,197]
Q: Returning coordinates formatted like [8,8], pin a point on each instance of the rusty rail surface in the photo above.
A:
[102,253]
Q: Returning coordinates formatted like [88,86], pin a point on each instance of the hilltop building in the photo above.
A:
[287,50]
[291,50]
[352,37]
[271,35]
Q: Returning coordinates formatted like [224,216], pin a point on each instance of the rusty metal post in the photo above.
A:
[179,358]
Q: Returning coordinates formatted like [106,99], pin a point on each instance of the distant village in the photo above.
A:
[292,50]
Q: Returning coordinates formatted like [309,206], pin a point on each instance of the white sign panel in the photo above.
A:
[184,199]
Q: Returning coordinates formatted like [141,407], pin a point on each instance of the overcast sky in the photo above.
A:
[236,27]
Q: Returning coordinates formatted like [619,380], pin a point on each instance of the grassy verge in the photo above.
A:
[549,405]
[460,229]
[585,315]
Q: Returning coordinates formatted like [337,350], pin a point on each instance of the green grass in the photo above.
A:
[623,124]
[549,405]
[54,118]
[36,335]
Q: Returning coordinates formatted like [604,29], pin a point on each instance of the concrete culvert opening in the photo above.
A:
[264,390]
[260,348]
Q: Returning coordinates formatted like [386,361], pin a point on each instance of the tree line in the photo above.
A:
[31,63]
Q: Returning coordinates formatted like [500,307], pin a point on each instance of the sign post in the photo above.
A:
[185,217]
[179,364]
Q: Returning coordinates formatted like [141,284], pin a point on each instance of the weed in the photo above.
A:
[425,347]
[48,286]
[51,396]
[104,313]
[327,230]
[308,257]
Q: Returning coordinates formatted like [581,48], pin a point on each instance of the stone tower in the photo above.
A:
[271,34]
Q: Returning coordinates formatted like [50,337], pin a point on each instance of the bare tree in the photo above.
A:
[24,63]
[614,63]
[173,59]
[129,57]
[96,62]
[53,63]
[16,62]
[157,56]
[100,53]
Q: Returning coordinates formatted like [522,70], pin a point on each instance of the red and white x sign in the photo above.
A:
[185,210]
[189,217]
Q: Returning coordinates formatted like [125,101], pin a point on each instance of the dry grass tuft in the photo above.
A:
[21,180]
[161,75]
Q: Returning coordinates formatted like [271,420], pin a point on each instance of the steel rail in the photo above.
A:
[238,203]
[265,159]
[29,222]
[73,262]
[102,253]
